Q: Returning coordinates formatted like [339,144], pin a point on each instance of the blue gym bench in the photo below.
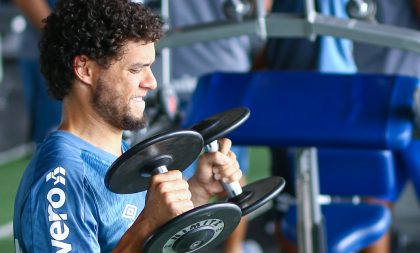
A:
[354,122]
[348,176]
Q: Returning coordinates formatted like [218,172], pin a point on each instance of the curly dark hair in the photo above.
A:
[95,28]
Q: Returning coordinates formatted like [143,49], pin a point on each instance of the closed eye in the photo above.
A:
[135,71]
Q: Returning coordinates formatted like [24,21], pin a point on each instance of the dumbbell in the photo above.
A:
[254,195]
[204,226]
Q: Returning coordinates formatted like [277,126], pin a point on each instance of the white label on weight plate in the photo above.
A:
[216,224]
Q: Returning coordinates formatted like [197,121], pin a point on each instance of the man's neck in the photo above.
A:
[86,124]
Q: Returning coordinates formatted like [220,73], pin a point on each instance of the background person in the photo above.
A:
[44,111]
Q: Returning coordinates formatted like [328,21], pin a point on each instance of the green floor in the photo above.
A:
[11,173]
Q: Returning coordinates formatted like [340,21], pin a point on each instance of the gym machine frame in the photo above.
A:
[311,234]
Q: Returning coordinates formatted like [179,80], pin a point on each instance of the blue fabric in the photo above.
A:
[63,188]
[311,109]
[335,53]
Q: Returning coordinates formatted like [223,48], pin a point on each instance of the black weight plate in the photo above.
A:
[204,226]
[132,171]
[218,125]
[256,194]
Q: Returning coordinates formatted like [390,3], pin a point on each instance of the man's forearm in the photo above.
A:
[135,237]
[34,10]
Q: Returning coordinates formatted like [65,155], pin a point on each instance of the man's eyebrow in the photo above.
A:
[139,65]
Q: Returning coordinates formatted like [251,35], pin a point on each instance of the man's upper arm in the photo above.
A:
[65,215]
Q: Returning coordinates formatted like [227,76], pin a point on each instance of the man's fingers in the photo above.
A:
[177,195]
[227,171]
[236,176]
[225,145]
[171,186]
[171,175]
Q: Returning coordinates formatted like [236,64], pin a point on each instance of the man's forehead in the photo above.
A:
[140,51]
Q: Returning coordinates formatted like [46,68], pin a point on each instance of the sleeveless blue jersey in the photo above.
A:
[62,204]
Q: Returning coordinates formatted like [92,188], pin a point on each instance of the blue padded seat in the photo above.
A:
[311,109]
[344,233]
[361,172]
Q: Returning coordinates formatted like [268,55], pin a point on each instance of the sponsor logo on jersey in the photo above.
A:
[56,197]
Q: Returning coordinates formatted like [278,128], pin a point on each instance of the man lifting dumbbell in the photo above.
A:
[96,57]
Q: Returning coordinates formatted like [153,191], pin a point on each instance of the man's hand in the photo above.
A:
[214,168]
[168,196]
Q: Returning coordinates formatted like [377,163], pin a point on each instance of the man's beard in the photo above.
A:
[113,110]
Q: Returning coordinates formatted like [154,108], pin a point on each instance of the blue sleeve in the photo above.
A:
[336,54]
[64,211]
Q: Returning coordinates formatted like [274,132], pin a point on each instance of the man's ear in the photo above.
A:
[82,68]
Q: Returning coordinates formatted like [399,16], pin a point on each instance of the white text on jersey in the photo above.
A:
[56,197]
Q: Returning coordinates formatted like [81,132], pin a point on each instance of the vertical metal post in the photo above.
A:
[304,218]
[166,52]
[310,11]
[311,231]
[261,22]
[310,14]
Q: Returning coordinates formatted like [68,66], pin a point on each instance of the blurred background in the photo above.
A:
[16,149]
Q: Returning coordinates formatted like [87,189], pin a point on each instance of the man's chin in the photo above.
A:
[132,124]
